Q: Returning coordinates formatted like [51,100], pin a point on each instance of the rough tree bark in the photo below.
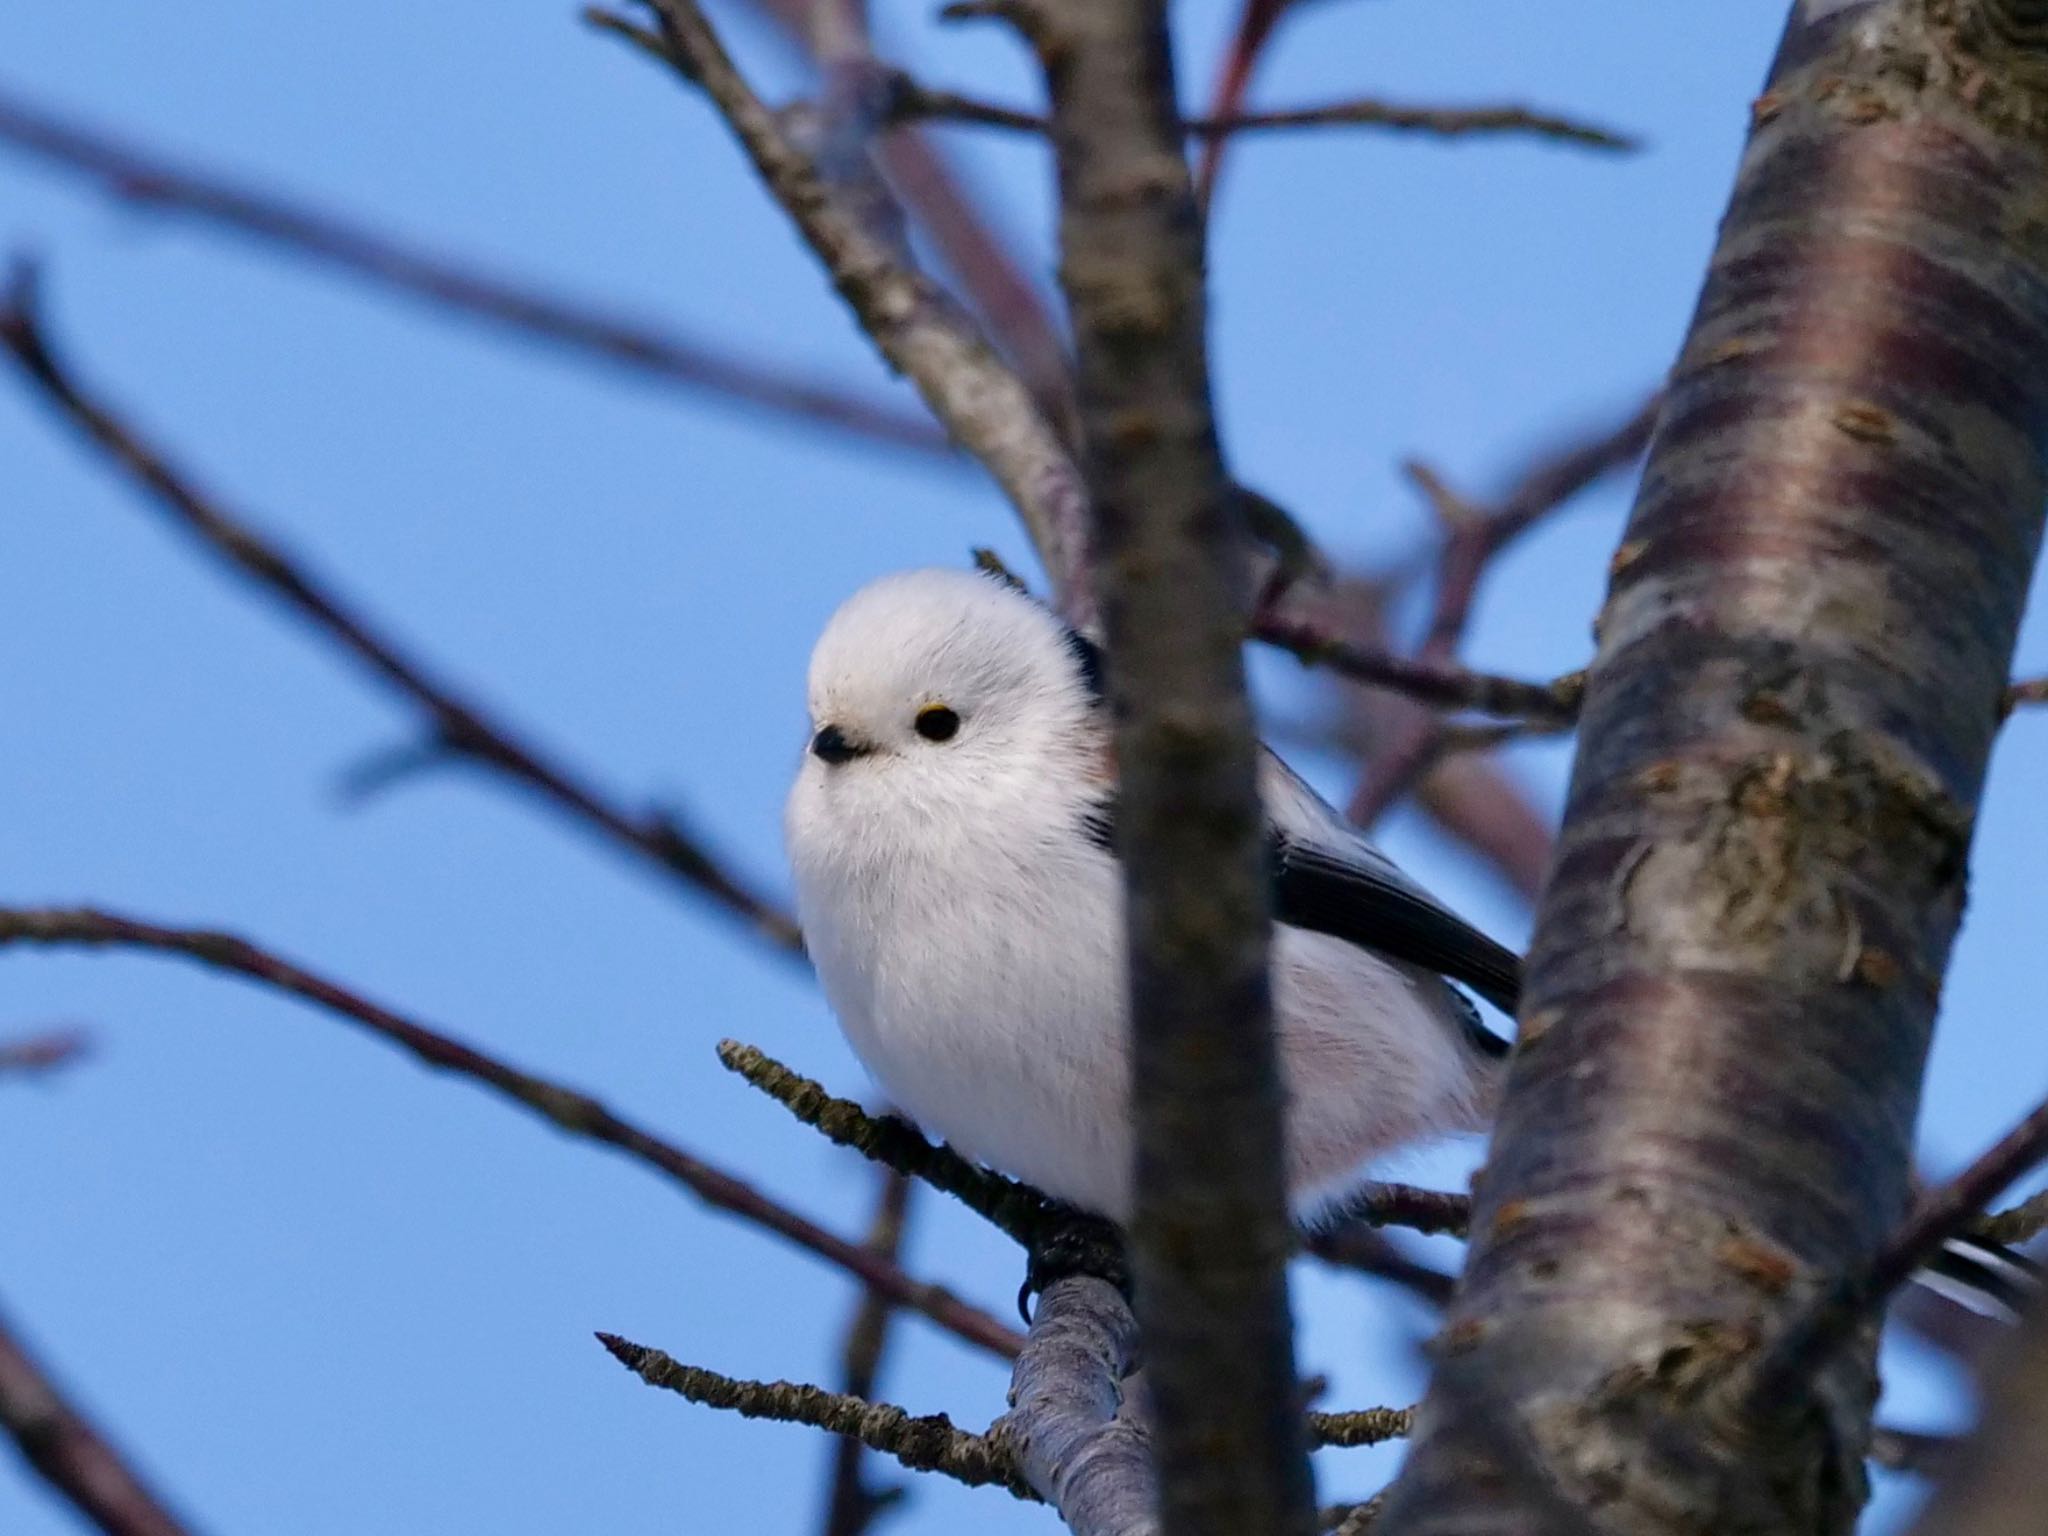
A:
[1741,945]
[1210,1236]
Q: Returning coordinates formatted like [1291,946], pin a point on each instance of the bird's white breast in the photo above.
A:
[976,966]
[976,969]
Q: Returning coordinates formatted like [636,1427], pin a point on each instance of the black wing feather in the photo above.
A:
[1355,903]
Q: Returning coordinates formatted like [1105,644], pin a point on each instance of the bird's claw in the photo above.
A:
[1073,1242]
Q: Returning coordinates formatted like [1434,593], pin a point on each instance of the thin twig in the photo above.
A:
[1365,1251]
[1356,1519]
[980,261]
[1447,122]
[2025,691]
[853,1504]
[1473,537]
[138,176]
[70,1454]
[1940,1214]
[1547,486]
[33,1055]
[1473,799]
[1911,1450]
[458,727]
[1439,685]
[2021,1223]
[1360,1426]
[986,407]
[912,100]
[576,1113]
[1404,1205]
[1015,1209]
[1257,21]
[927,1443]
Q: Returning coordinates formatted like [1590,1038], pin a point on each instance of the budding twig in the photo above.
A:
[927,1443]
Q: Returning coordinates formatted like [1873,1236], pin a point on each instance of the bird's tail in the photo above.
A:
[1988,1278]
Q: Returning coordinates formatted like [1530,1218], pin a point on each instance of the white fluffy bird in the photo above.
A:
[951,835]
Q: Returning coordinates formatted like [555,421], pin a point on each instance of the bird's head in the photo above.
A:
[935,688]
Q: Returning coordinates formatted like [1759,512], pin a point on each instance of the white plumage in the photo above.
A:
[967,923]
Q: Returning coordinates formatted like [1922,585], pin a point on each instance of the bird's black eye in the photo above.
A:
[935,722]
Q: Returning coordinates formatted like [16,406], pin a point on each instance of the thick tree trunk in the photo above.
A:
[1741,945]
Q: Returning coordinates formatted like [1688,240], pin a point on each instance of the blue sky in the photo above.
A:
[315,1289]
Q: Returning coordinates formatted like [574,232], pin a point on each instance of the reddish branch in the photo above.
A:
[1472,541]
[981,263]
[1474,536]
[32,1055]
[1433,683]
[1257,23]
[138,176]
[70,1454]
[853,1503]
[912,100]
[459,727]
[576,1113]
[986,407]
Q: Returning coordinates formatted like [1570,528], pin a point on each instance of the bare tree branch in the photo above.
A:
[1433,683]
[1354,1519]
[46,1051]
[852,1504]
[988,410]
[1473,537]
[1017,1210]
[1548,485]
[1364,1251]
[2024,691]
[1780,756]
[929,1443]
[1257,21]
[1404,1205]
[980,263]
[1473,800]
[1444,122]
[576,1113]
[2020,1224]
[1907,1450]
[1210,1231]
[458,726]
[1070,1428]
[72,1456]
[1360,1426]
[912,100]
[647,347]
[1072,1437]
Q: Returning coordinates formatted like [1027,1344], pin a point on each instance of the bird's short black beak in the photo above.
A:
[831,745]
